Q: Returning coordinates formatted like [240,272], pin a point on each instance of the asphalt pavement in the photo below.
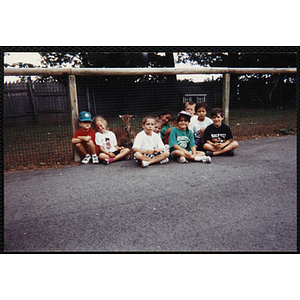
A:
[244,203]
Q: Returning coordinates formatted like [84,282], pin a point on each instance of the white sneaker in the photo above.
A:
[206,159]
[182,159]
[166,160]
[145,163]
[95,159]
[87,159]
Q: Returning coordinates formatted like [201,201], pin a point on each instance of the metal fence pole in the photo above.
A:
[225,97]
[74,110]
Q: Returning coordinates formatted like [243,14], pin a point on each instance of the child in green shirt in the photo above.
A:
[182,142]
[165,117]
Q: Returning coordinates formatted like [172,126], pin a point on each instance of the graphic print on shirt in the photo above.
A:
[218,137]
[183,141]
[107,143]
[197,134]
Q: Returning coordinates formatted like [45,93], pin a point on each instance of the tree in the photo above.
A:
[240,59]
[112,60]
[123,93]
[248,59]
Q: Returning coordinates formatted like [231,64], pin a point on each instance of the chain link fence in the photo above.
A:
[37,115]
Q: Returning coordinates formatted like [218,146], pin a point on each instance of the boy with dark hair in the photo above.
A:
[199,124]
[218,136]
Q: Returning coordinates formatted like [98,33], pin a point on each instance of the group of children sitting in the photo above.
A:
[194,137]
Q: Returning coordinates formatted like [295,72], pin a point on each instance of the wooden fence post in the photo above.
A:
[74,110]
[225,97]
[31,97]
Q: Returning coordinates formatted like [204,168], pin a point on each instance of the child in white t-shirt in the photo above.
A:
[107,142]
[148,146]
[199,124]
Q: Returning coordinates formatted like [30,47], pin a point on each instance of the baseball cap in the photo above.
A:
[184,113]
[85,116]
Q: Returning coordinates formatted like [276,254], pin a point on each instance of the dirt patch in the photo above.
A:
[254,131]
[40,166]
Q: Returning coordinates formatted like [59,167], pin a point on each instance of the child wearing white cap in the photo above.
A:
[182,142]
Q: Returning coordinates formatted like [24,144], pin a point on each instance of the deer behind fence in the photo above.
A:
[124,134]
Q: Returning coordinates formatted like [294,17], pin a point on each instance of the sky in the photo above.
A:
[34,58]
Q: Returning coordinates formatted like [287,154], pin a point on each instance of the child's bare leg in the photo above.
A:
[139,156]
[179,155]
[81,149]
[122,154]
[200,153]
[209,147]
[104,156]
[233,145]
[91,147]
[156,159]
[159,157]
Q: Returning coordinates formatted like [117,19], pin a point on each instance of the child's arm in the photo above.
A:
[187,154]
[110,154]
[167,131]
[156,150]
[79,139]
[225,144]
[177,147]
[119,148]
[143,151]
[166,135]
[193,150]
[215,145]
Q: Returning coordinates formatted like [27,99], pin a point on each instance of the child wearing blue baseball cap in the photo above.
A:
[84,139]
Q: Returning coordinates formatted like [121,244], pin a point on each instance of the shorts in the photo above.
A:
[116,152]
[199,145]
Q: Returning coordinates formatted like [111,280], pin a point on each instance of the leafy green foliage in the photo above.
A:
[241,59]
[289,129]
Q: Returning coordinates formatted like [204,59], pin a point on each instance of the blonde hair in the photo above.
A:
[146,118]
[99,119]
[190,103]
[158,121]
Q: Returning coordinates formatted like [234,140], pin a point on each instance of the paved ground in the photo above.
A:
[241,203]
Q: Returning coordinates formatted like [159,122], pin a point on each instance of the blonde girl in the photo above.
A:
[107,142]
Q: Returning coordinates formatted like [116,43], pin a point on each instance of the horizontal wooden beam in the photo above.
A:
[140,71]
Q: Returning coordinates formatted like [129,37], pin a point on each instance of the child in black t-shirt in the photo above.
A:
[217,136]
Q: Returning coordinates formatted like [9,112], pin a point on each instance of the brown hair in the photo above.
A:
[215,111]
[201,104]
[165,112]
[146,118]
